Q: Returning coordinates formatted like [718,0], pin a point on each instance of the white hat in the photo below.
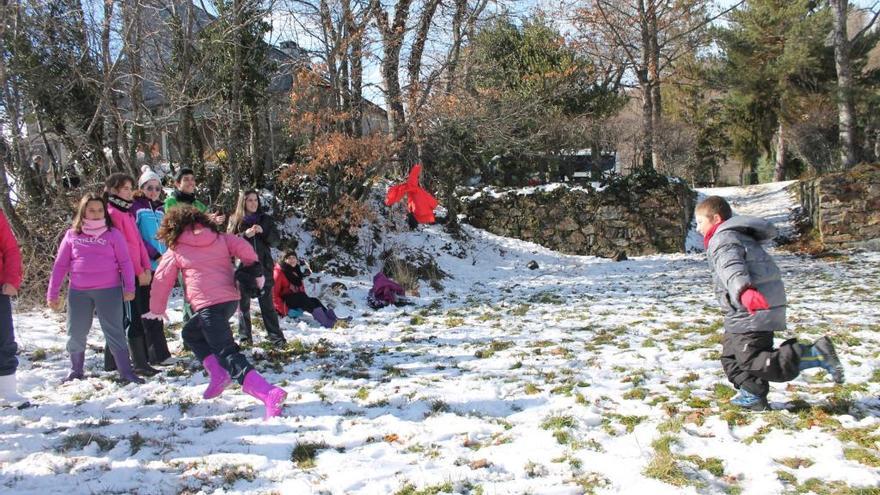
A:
[147,176]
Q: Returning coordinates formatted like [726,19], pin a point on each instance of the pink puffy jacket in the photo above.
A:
[205,258]
[124,221]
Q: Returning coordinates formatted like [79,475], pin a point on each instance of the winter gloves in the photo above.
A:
[753,301]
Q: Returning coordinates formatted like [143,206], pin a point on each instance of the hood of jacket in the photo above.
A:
[758,228]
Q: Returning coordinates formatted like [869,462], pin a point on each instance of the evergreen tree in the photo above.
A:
[776,59]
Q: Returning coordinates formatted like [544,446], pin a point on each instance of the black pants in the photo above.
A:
[270,318]
[299,300]
[208,332]
[750,362]
[153,331]
[8,347]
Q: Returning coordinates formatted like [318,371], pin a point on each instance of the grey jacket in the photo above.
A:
[738,262]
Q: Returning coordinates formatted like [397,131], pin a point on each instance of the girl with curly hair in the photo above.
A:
[203,256]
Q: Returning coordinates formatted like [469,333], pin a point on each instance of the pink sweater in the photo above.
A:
[206,262]
[124,221]
[92,262]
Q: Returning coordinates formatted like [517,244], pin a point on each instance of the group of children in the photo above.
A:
[126,250]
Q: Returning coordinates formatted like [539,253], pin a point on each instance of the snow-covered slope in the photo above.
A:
[583,375]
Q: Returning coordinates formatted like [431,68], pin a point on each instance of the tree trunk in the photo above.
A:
[411,149]
[331,48]
[10,17]
[257,159]
[779,170]
[392,42]
[132,50]
[356,62]
[645,83]
[845,107]
[455,50]
[234,155]
[21,231]
[654,78]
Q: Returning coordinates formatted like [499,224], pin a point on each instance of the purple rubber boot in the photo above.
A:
[323,317]
[123,364]
[77,360]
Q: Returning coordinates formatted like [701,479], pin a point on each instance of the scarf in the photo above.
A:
[184,197]
[119,203]
[709,234]
[251,219]
[293,274]
[94,228]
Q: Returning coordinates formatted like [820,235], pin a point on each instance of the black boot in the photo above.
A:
[273,328]
[109,361]
[138,348]
[157,345]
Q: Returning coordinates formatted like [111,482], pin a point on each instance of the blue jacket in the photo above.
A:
[148,216]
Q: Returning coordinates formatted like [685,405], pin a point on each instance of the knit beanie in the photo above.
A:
[147,176]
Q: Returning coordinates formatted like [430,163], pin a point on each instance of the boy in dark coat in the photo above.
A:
[749,288]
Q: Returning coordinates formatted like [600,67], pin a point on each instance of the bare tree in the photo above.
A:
[843,65]
[647,37]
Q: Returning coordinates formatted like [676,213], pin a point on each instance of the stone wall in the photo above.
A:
[844,208]
[635,215]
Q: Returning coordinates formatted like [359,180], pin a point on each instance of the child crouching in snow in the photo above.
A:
[749,288]
[289,292]
[203,255]
[101,278]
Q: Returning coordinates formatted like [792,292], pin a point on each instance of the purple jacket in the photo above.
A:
[92,262]
[385,289]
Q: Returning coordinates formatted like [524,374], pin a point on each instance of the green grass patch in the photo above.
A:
[663,465]
[304,454]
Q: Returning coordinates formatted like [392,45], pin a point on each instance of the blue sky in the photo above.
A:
[283,29]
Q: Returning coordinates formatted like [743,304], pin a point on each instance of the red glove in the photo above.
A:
[753,300]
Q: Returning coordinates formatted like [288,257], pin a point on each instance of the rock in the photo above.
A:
[620,256]
[479,464]
[532,265]
[338,288]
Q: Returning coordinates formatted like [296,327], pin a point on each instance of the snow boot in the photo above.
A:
[77,360]
[750,401]
[220,378]
[109,360]
[822,355]
[323,317]
[123,364]
[138,348]
[273,397]
[9,396]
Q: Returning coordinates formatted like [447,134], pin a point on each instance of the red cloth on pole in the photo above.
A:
[419,201]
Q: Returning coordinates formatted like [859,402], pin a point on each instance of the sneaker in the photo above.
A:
[829,360]
[171,361]
[750,401]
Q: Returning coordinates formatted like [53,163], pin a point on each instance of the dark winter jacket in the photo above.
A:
[262,243]
[738,262]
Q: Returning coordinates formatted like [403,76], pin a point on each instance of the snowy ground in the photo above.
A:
[584,375]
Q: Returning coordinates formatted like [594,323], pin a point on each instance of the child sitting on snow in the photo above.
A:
[749,288]
[203,255]
[289,292]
